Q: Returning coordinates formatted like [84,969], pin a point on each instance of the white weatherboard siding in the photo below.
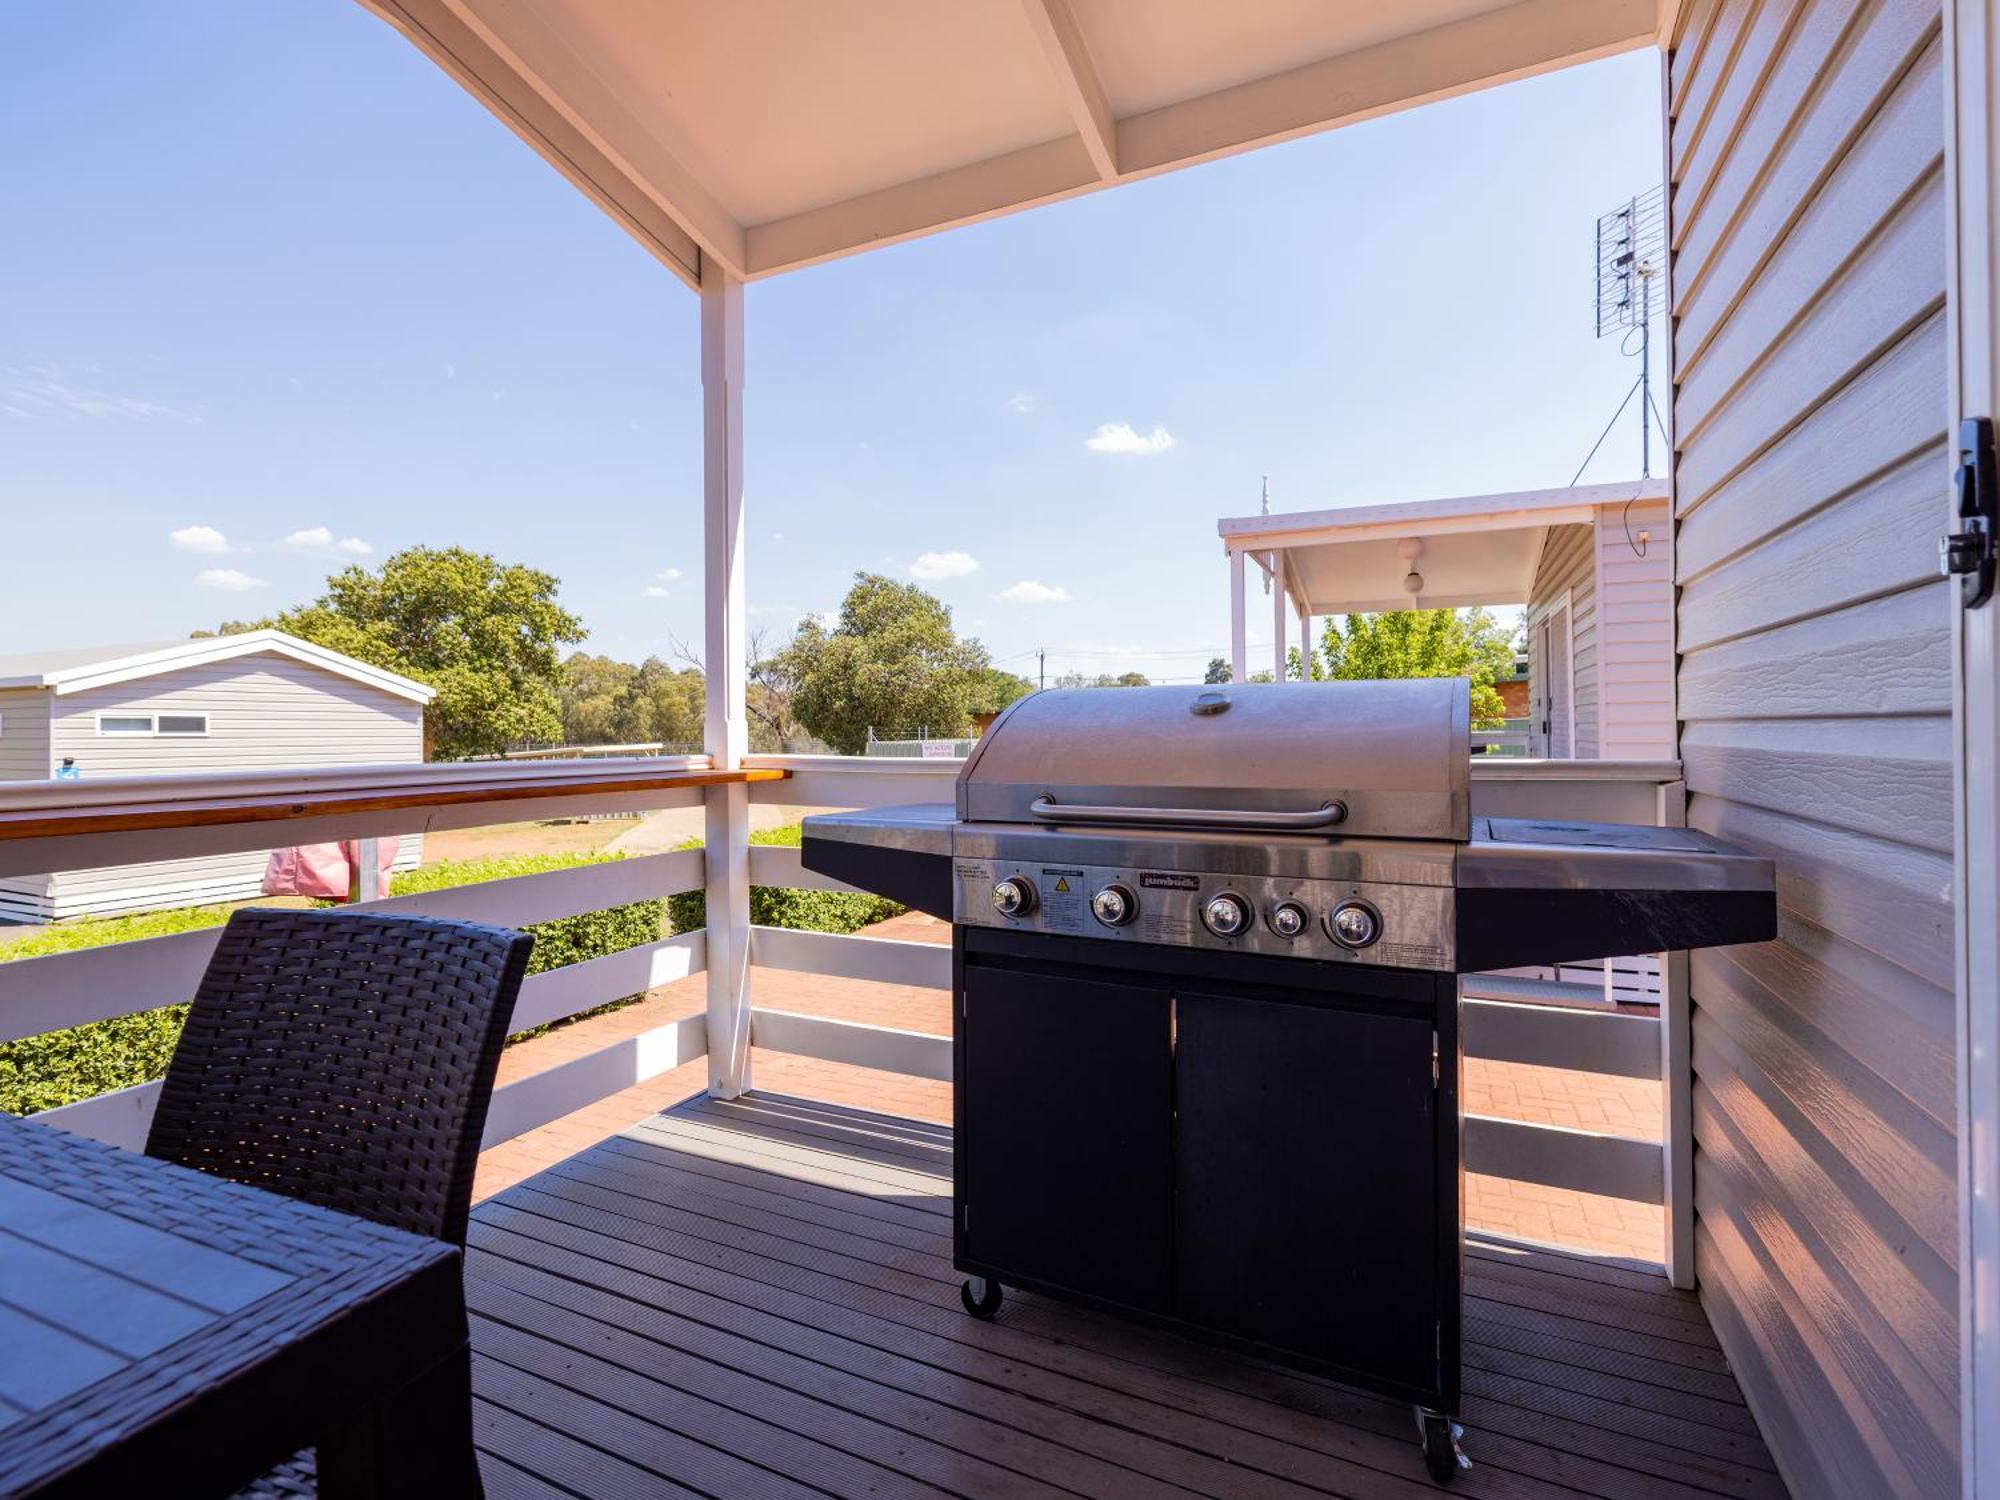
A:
[24,735]
[263,712]
[24,756]
[1634,624]
[1568,567]
[1808,276]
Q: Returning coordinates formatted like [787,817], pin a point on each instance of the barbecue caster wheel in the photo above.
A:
[1439,1436]
[981,1297]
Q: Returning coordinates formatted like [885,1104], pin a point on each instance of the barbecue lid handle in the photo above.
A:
[1046,809]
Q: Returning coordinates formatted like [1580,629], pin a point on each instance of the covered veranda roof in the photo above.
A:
[1479,549]
[762,135]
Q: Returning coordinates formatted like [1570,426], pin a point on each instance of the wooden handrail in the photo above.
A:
[190,810]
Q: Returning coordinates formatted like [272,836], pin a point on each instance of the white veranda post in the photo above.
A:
[726,733]
[1280,609]
[1239,663]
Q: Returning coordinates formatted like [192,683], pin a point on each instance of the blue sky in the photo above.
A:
[270,275]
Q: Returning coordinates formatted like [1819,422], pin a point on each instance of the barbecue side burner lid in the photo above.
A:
[1383,759]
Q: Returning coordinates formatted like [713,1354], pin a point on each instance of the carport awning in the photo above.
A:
[1482,549]
[762,135]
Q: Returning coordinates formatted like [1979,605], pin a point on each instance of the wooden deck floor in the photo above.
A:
[757,1299]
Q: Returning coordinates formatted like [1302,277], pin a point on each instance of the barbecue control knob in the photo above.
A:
[1354,924]
[1014,897]
[1288,919]
[1227,914]
[1115,905]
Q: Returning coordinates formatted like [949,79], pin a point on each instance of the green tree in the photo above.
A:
[1423,643]
[593,692]
[485,634]
[1218,671]
[891,661]
[998,688]
[662,704]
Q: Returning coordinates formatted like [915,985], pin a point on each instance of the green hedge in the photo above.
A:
[61,1067]
[775,906]
[565,941]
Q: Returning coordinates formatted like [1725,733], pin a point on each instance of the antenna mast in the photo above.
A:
[1631,254]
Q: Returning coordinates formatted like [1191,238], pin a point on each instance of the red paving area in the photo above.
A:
[1584,1101]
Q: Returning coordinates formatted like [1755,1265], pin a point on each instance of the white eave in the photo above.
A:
[77,676]
[764,135]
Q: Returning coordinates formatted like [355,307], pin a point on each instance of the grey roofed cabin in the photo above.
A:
[255,701]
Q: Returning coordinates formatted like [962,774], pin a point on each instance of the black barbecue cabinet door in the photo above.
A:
[1307,1206]
[1067,1098]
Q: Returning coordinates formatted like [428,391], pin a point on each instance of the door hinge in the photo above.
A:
[1434,1057]
[965,1216]
[1970,553]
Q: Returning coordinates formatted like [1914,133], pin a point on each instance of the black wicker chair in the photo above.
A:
[347,1058]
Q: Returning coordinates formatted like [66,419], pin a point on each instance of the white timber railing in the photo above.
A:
[49,827]
[53,826]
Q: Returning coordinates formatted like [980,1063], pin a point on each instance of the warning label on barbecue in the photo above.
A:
[1155,880]
[1065,900]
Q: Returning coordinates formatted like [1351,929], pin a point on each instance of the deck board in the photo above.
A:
[756,1298]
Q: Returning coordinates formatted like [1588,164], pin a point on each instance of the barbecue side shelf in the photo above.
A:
[1262,1154]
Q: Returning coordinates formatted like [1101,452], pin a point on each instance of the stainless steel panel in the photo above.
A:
[915,827]
[1396,754]
[1386,861]
[1483,865]
[1417,920]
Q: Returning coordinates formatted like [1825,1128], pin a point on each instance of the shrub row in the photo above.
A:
[776,906]
[60,1067]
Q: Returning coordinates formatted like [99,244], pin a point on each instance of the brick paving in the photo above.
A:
[1583,1101]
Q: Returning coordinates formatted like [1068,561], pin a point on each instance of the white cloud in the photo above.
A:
[654,591]
[668,575]
[1119,437]
[354,546]
[1022,402]
[203,539]
[1028,591]
[229,580]
[310,536]
[944,565]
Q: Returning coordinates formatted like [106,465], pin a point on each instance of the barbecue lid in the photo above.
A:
[1385,759]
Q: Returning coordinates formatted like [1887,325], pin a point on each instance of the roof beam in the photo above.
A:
[1478,52]
[1055,28]
[1532,36]
[964,195]
[521,69]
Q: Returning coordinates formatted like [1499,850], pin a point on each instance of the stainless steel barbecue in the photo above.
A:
[1206,943]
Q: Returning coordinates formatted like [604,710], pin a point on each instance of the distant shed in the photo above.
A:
[256,701]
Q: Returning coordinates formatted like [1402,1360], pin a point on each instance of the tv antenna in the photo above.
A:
[1631,266]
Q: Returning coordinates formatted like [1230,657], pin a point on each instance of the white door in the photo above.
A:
[1972,156]
[1552,722]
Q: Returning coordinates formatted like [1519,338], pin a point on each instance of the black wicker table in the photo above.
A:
[166,1332]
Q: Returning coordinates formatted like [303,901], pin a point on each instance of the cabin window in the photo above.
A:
[169,725]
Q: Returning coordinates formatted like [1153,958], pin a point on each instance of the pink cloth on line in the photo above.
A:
[322,869]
